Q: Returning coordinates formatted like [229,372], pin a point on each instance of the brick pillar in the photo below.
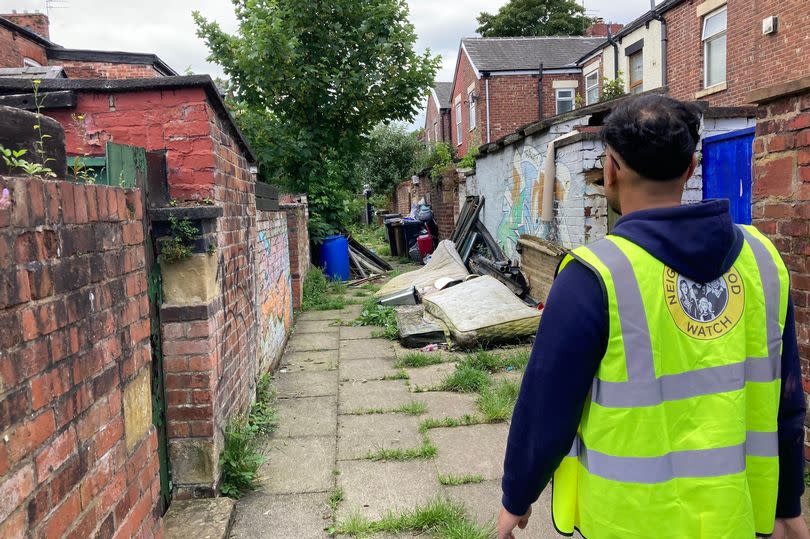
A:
[781,194]
[298,232]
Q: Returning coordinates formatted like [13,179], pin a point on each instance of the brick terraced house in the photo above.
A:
[25,47]
[437,117]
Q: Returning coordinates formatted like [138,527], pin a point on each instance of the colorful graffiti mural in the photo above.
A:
[522,200]
[274,288]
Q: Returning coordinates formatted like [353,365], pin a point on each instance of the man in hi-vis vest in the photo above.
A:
[663,398]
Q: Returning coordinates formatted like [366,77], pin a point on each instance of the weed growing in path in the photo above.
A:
[465,379]
[456,480]
[412,408]
[400,375]
[322,295]
[448,422]
[374,314]
[335,497]
[418,359]
[426,451]
[498,401]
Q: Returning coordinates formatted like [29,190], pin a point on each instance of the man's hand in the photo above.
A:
[790,528]
[507,523]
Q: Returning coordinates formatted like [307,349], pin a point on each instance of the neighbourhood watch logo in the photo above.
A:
[704,311]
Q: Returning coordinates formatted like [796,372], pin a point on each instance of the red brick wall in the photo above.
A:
[298,232]
[465,76]
[753,60]
[178,121]
[442,196]
[14,47]
[76,69]
[35,22]
[549,95]
[781,192]
[74,334]
[600,29]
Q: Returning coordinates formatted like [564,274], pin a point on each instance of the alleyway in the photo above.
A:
[338,388]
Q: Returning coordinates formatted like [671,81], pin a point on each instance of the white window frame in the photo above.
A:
[435,131]
[472,115]
[28,62]
[459,126]
[588,88]
[708,39]
[558,99]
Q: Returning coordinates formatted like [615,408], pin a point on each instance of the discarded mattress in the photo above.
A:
[482,310]
[445,262]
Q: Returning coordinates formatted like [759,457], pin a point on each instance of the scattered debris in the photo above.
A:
[539,260]
[444,262]
[418,329]
[364,263]
[403,297]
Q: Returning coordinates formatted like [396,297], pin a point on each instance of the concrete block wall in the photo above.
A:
[781,192]
[274,293]
[79,456]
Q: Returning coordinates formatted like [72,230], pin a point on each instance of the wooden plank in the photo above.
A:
[63,99]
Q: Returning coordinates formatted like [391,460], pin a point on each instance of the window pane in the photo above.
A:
[714,24]
[592,79]
[716,60]
[636,67]
[565,94]
[459,134]
[564,105]
[592,95]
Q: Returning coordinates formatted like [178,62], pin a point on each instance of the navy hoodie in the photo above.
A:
[698,241]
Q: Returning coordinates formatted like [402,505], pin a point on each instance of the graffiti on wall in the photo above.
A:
[522,201]
[273,290]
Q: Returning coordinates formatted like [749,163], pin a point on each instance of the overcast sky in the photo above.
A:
[165,27]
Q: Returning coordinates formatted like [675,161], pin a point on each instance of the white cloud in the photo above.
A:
[165,27]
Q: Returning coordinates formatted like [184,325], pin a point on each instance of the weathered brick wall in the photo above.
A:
[178,121]
[274,301]
[80,453]
[297,212]
[14,47]
[79,69]
[443,196]
[35,22]
[781,196]
[753,60]
[465,76]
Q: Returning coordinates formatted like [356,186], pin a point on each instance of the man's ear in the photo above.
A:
[609,173]
[692,167]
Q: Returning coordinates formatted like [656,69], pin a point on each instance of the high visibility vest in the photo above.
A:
[678,438]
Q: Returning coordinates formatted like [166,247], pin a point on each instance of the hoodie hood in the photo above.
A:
[699,241]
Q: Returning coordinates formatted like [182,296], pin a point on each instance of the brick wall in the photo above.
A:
[273,287]
[443,197]
[298,238]
[35,22]
[80,456]
[753,60]
[465,76]
[781,196]
[14,47]
[76,69]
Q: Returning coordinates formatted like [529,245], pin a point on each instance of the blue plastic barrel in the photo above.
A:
[335,257]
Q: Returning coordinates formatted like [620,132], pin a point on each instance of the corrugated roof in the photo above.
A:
[527,53]
[444,91]
[45,72]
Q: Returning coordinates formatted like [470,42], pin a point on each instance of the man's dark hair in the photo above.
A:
[654,134]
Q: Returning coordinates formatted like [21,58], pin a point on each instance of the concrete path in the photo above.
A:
[330,381]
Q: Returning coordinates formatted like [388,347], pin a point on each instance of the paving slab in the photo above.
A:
[313,341]
[309,316]
[202,519]
[442,404]
[351,312]
[385,394]
[311,416]
[316,326]
[306,384]
[351,333]
[483,501]
[271,516]
[366,369]
[298,465]
[476,450]
[366,348]
[359,435]
[319,360]
[427,378]
[374,488]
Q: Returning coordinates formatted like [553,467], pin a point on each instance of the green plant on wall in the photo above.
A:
[13,159]
[611,89]
[178,247]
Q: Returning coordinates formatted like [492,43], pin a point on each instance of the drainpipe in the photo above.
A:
[664,43]
[615,53]
[540,93]
[486,85]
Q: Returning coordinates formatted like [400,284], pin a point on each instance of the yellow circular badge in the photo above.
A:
[704,311]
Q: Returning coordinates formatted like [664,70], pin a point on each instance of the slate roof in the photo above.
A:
[444,91]
[527,53]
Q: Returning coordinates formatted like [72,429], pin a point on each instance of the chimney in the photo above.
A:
[600,29]
[35,22]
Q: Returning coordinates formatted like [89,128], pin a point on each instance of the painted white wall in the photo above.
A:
[653,72]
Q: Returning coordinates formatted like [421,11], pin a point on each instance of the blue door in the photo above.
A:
[727,171]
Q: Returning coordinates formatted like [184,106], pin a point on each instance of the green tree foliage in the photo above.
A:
[391,156]
[311,78]
[528,18]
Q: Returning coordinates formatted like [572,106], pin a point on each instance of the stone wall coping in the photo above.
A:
[194,213]
[785,89]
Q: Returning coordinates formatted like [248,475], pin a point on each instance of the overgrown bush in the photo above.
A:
[320,294]
[611,89]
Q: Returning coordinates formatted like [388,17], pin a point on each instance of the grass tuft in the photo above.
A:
[320,294]
[498,401]
[465,379]
[400,375]
[418,359]
[336,496]
[429,518]
[456,480]
[374,314]
[449,422]
[412,408]
[427,450]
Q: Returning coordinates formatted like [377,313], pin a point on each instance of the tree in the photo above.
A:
[529,18]
[311,78]
[391,156]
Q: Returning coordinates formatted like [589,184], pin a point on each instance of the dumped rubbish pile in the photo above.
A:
[468,294]
[364,265]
